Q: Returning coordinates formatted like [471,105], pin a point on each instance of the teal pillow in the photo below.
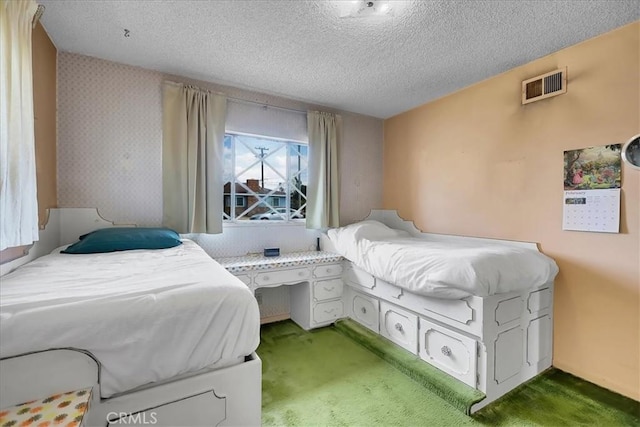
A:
[124,239]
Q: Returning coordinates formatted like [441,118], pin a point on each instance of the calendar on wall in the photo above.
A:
[592,210]
[592,189]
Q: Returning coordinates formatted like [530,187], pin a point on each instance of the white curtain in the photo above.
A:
[192,158]
[18,199]
[323,197]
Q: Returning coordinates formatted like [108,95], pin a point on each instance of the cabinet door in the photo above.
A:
[364,310]
[449,351]
[399,326]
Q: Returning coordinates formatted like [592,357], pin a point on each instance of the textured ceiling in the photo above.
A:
[303,50]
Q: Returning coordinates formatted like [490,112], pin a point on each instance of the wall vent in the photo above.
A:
[545,86]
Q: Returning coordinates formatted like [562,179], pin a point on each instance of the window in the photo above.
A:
[265,177]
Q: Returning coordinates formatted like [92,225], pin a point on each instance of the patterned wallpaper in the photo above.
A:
[109,152]
[109,139]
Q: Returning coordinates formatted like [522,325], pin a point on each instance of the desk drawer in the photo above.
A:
[282,277]
[327,289]
[327,311]
[328,270]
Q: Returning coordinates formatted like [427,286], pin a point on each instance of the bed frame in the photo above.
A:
[219,397]
[492,343]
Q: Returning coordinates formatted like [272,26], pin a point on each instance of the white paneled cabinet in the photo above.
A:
[492,344]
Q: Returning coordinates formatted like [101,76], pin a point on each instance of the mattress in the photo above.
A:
[442,269]
[145,315]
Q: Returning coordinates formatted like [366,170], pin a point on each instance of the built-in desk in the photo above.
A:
[316,300]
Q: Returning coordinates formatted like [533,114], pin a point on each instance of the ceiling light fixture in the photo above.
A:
[365,8]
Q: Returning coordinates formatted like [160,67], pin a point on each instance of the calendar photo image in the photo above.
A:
[592,182]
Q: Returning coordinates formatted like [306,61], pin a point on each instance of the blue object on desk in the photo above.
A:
[272,252]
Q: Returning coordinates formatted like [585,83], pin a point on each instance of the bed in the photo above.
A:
[166,334]
[478,309]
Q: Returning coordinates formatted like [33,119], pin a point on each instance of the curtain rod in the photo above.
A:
[244,101]
[262,104]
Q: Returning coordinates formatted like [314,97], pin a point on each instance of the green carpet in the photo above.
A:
[323,378]
[453,391]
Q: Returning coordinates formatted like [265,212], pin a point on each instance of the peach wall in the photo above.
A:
[479,163]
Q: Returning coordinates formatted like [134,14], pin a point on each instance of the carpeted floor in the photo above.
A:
[324,378]
[458,394]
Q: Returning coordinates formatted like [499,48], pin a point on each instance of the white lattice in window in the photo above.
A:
[265,178]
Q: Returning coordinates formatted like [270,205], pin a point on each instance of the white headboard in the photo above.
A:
[64,226]
[390,218]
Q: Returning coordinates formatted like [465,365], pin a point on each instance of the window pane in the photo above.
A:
[228,175]
[268,177]
[299,177]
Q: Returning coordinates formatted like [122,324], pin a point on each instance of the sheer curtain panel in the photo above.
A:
[323,200]
[192,158]
[18,198]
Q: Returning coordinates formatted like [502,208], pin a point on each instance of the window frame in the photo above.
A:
[233,221]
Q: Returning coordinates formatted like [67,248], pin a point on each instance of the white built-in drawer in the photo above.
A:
[245,279]
[356,276]
[364,310]
[327,289]
[276,278]
[449,351]
[327,312]
[328,270]
[399,326]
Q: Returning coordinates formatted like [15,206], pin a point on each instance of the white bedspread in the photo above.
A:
[146,315]
[443,270]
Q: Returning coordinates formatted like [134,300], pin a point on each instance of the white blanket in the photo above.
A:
[443,270]
[146,315]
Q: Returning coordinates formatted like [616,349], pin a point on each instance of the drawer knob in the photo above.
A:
[300,273]
[446,350]
[399,327]
[329,289]
[265,277]
[330,311]
[329,270]
[364,310]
